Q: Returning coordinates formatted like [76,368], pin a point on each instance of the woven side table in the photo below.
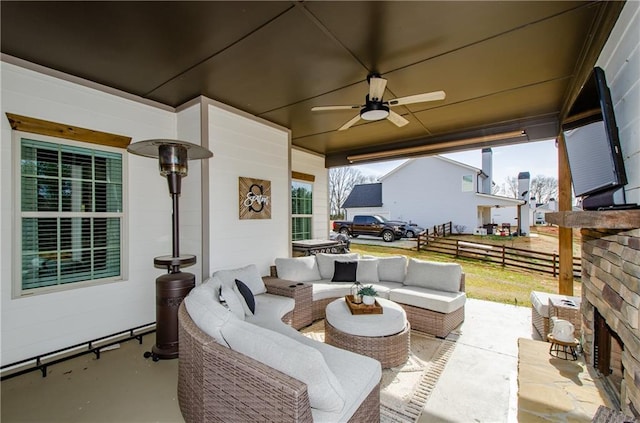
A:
[302,293]
[566,309]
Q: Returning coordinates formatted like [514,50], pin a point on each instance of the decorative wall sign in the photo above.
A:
[254,198]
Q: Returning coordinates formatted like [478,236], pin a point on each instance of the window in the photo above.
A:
[467,183]
[70,214]
[301,210]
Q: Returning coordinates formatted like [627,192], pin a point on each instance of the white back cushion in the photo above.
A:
[299,269]
[205,309]
[392,269]
[432,275]
[230,295]
[326,262]
[292,358]
[248,274]
[367,271]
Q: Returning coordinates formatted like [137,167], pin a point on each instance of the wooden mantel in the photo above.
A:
[610,219]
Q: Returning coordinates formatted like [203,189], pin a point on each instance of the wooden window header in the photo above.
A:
[70,132]
[303,176]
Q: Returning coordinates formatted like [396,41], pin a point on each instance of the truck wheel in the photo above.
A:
[411,234]
[388,236]
[344,231]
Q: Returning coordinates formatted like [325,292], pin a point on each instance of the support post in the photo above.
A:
[565,235]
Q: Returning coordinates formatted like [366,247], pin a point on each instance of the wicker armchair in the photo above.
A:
[217,384]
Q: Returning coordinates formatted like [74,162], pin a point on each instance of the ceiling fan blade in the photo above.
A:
[418,98]
[397,119]
[321,108]
[350,123]
[376,88]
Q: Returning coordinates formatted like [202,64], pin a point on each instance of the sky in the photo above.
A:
[537,158]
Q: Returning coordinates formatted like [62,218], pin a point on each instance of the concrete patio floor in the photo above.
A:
[478,383]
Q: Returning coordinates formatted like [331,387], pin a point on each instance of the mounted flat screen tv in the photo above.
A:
[593,146]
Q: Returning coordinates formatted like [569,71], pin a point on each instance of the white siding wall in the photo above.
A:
[313,164]
[188,129]
[380,211]
[246,146]
[43,323]
[428,191]
[620,60]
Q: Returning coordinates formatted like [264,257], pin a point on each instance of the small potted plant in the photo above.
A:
[368,293]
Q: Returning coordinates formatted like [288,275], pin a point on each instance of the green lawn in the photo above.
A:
[484,281]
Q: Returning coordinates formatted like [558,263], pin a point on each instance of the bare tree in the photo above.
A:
[543,188]
[510,187]
[341,182]
[496,189]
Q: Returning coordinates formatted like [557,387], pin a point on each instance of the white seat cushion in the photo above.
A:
[327,289]
[433,275]
[290,357]
[271,307]
[358,374]
[392,320]
[299,269]
[383,288]
[440,301]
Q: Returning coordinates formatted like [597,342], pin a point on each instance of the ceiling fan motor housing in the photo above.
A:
[374,110]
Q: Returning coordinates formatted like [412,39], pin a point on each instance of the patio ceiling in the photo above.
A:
[506,66]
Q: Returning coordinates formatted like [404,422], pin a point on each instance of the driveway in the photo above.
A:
[407,243]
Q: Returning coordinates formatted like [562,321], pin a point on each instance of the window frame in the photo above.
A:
[306,216]
[17,290]
[467,185]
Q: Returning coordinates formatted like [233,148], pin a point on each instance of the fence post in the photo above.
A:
[457,247]
[554,265]
[504,261]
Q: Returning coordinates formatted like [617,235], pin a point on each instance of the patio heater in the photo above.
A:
[171,288]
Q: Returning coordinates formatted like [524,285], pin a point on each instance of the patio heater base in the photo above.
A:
[170,291]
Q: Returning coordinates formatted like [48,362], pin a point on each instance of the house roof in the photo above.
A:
[364,195]
[511,68]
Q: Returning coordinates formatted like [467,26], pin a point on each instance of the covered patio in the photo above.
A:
[240,79]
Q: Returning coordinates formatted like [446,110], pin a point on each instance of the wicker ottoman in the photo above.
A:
[385,336]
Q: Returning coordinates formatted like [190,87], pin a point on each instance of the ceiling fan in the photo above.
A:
[377,109]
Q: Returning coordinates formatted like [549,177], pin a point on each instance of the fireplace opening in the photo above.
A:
[607,357]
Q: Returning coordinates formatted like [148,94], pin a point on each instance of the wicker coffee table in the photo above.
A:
[385,336]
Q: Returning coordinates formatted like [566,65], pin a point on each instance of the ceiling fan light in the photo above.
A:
[375,114]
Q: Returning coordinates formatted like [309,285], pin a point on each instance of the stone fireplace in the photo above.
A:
[610,311]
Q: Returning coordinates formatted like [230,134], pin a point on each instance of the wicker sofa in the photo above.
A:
[432,294]
[242,366]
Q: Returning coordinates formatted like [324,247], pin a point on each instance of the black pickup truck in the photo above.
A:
[373,225]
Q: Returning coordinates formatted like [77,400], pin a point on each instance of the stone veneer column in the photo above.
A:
[611,283]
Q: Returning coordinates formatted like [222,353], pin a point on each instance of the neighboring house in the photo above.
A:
[431,191]
[365,199]
[541,210]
